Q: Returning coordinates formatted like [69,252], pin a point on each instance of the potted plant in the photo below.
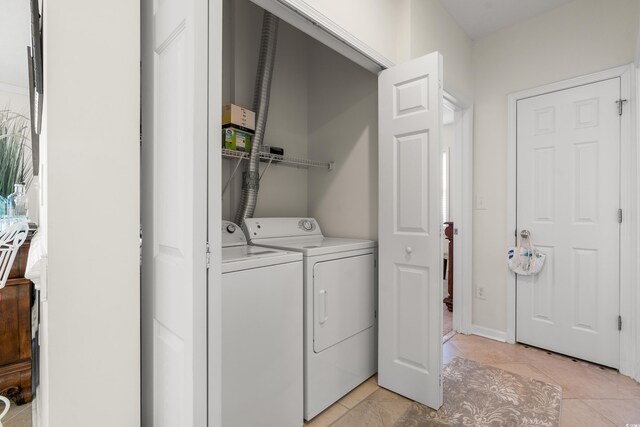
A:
[15,155]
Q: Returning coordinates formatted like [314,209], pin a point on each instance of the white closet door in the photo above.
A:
[410,223]
[174,195]
[568,197]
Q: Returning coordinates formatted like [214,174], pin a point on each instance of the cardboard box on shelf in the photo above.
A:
[236,139]
[239,118]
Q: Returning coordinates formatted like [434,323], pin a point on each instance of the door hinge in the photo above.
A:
[208,256]
[619,216]
[620,103]
[619,323]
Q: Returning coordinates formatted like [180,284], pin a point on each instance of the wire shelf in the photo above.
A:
[275,158]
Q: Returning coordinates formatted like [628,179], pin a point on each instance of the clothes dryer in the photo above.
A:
[340,303]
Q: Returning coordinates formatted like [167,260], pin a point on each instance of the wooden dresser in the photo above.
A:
[15,331]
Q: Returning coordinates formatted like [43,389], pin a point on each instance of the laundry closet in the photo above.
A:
[323,107]
[314,316]
[324,113]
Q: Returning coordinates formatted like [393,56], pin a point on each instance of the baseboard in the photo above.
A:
[493,334]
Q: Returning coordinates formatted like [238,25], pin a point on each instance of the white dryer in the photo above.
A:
[340,302]
[262,367]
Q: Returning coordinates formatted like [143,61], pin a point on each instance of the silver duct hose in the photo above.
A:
[251,177]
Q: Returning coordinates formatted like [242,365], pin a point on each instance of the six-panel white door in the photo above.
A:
[410,255]
[174,164]
[568,195]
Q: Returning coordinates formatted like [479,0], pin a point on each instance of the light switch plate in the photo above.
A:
[481,203]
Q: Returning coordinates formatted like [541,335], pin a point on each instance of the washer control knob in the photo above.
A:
[409,249]
[307,225]
[231,228]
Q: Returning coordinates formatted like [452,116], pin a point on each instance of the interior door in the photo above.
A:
[174,209]
[410,255]
[568,195]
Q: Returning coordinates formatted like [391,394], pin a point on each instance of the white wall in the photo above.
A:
[576,39]
[283,190]
[91,134]
[15,30]
[448,139]
[343,127]
[432,28]
[382,24]
[15,98]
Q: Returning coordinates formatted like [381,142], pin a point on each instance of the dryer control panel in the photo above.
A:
[269,228]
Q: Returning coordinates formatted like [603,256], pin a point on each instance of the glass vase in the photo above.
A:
[18,205]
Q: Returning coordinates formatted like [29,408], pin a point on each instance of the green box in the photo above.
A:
[235,139]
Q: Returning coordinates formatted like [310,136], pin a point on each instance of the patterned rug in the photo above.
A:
[484,396]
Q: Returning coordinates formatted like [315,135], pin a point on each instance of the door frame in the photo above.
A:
[461,185]
[629,289]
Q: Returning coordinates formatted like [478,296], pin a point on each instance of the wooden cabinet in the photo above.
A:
[15,331]
[448,234]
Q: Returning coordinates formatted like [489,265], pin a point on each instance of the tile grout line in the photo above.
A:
[355,406]
[586,402]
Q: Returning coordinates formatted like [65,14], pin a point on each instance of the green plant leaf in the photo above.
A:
[15,151]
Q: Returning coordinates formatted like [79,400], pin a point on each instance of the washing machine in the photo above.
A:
[340,303]
[262,355]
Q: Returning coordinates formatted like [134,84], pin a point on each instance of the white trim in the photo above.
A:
[214,218]
[634,320]
[630,295]
[461,185]
[629,351]
[19,90]
[313,23]
[569,83]
[492,334]
[511,214]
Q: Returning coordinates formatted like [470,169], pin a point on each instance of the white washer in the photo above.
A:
[262,368]
[340,292]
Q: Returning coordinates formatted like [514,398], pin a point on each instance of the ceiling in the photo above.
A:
[479,18]
[14,39]
[476,17]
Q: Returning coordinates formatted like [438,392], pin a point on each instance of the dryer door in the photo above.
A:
[344,299]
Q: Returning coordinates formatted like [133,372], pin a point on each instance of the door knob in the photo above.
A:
[409,249]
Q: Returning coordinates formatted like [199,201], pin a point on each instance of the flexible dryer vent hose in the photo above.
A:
[262,93]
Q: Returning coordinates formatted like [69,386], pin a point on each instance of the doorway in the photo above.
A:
[569,152]
[457,159]
[448,226]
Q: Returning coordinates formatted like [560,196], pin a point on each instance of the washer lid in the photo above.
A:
[245,257]
[313,246]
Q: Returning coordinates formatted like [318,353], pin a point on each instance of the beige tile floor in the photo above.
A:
[446,321]
[592,396]
[18,416]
